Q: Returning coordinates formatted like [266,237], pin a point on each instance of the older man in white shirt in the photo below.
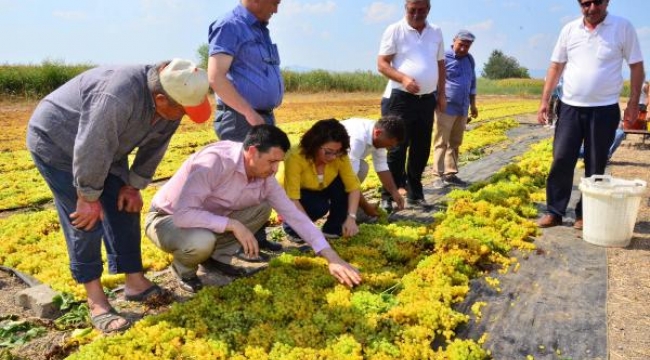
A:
[374,137]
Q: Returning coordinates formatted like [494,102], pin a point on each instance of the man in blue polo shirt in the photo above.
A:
[244,69]
[460,89]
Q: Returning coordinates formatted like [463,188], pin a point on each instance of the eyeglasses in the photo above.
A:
[330,152]
[587,4]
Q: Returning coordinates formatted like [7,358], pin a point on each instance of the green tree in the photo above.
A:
[502,66]
[202,52]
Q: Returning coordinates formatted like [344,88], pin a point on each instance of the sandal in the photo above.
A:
[103,321]
[152,292]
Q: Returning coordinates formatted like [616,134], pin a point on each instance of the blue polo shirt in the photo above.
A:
[255,69]
[460,84]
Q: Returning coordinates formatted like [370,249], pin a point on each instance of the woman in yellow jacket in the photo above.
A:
[318,177]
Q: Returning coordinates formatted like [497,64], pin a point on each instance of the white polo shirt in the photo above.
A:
[360,131]
[416,54]
[594,59]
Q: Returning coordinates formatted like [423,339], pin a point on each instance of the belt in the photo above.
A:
[259,111]
[422,96]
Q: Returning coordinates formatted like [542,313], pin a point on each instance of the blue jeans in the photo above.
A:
[332,199]
[119,230]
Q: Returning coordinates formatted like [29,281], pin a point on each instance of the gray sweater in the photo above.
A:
[91,124]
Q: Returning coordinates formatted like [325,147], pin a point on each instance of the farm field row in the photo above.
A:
[21,186]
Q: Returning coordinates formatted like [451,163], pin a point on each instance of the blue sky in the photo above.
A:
[338,35]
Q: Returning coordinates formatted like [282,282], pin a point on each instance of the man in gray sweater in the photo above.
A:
[80,137]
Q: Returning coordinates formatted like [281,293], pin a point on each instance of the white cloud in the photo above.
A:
[643,33]
[293,7]
[556,8]
[537,40]
[380,12]
[566,19]
[486,25]
[70,15]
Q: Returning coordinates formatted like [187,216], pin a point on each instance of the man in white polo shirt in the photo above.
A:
[374,137]
[412,57]
[589,55]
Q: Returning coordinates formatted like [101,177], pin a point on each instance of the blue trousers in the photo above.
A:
[593,126]
[417,112]
[119,230]
[332,199]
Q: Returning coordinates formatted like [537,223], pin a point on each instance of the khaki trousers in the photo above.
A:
[192,246]
[448,133]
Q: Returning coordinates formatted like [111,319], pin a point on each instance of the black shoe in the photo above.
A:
[453,180]
[192,284]
[386,205]
[237,271]
[264,244]
[294,238]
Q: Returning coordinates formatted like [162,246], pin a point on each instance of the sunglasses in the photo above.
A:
[587,4]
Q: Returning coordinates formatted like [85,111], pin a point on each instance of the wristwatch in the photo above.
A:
[354,216]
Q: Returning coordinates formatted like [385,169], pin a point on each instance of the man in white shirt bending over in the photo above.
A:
[374,137]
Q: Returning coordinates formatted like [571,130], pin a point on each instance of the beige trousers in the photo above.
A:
[192,246]
[448,133]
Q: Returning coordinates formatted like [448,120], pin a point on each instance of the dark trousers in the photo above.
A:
[417,112]
[596,127]
[332,199]
[120,230]
[233,126]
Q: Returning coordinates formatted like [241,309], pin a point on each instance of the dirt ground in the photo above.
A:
[629,268]
[628,278]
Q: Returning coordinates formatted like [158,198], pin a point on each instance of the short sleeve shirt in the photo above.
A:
[593,76]
[415,54]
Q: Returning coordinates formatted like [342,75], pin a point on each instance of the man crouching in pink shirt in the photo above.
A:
[216,206]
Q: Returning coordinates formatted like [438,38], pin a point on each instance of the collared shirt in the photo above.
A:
[360,131]
[415,54]
[213,183]
[300,173]
[592,75]
[255,69]
[460,83]
[90,125]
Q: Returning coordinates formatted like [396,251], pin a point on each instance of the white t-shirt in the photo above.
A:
[360,131]
[594,60]
[416,54]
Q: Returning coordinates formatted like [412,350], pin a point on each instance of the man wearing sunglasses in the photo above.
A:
[589,56]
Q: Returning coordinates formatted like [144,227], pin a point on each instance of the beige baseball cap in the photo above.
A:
[187,84]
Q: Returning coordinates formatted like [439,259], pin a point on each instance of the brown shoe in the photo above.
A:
[549,220]
[578,224]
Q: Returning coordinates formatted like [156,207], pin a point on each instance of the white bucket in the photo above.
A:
[609,209]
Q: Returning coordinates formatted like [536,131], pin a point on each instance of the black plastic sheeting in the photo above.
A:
[553,307]
[27,279]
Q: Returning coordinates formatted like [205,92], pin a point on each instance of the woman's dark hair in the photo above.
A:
[323,131]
